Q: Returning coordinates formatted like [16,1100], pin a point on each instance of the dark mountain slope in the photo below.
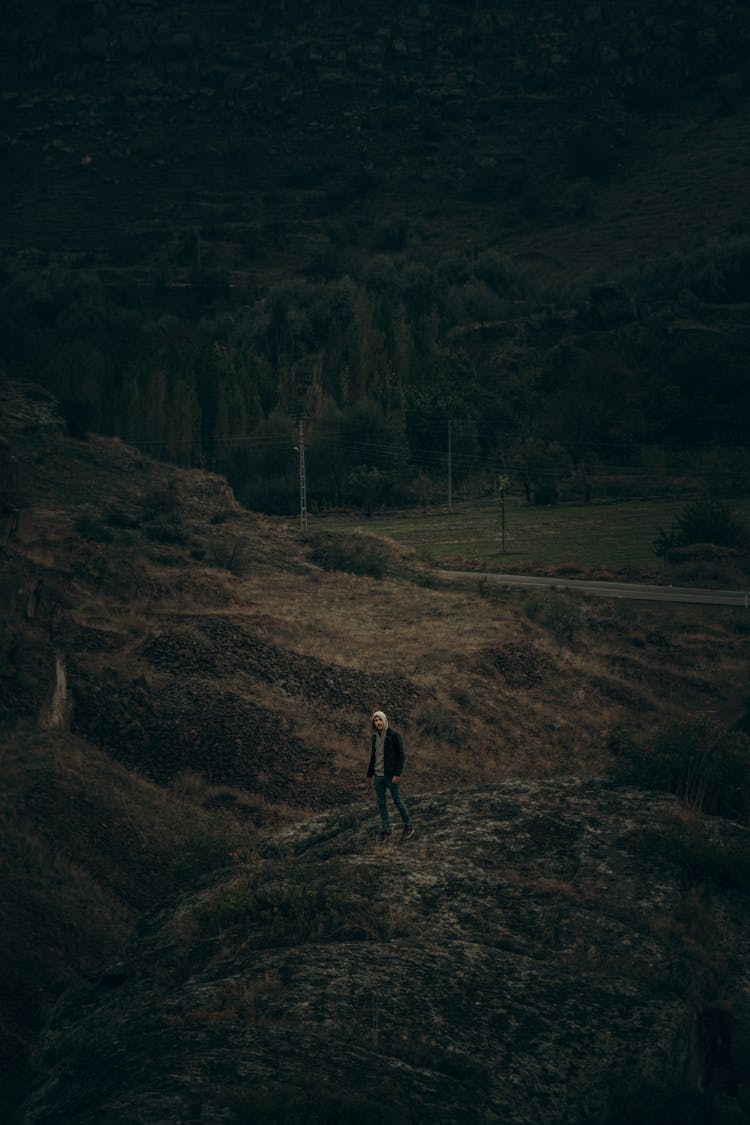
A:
[128,127]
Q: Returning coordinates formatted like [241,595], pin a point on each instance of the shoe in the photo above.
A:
[383,836]
[408,831]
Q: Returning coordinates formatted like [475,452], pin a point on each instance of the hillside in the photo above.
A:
[530,221]
[530,954]
[131,126]
[521,229]
[180,677]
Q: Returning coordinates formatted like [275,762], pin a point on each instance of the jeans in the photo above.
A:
[382,785]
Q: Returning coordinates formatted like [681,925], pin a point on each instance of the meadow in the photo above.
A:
[617,536]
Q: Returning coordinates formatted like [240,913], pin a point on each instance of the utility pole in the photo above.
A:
[302,477]
[502,484]
[450,465]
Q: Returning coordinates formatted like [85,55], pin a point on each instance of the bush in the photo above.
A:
[703,564]
[705,522]
[209,284]
[473,301]
[118,517]
[702,856]
[89,527]
[166,529]
[439,725]
[497,271]
[710,522]
[159,502]
[230,554]
[352,554]
[702,764]
[275,914]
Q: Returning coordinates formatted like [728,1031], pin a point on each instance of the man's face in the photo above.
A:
[377,723]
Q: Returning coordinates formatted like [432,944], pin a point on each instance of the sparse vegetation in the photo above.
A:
[703,858]
[562,614]
[416,228]
[356,553]
[90,527]
[705,765]
[290,904]
[709,521]
[231,553]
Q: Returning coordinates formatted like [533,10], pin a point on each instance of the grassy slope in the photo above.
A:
[507,684]
[615,538]
[484,686]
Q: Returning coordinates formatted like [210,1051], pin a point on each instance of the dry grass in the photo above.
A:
[492,685]
[84,839]
[624,663]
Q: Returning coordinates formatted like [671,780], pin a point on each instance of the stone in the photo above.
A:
[524,957]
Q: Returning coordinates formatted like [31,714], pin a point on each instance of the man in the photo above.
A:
[386,766]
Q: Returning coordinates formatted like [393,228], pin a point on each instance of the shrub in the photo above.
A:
[273,905]
[701,856]
[276,914]
[473,301]
[711,522]
[484,186]
[166,529]
[439,724]
[497,271]
[363,183]
[704,765]
[705,521]
[118,517]
[209,284]
[230,554]
[352,554]
[91,528]
[703,564]
[159,502]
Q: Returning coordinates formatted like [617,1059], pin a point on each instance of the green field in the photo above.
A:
[616,535]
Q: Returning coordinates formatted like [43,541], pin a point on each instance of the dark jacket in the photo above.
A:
[393,757]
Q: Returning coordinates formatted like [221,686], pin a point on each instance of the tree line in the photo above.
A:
[400,370]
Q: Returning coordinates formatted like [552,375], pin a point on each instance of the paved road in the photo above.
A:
[636,591]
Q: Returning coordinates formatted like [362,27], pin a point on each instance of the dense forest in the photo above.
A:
[463,247]
[390,371]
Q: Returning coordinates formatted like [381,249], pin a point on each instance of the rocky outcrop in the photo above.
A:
[538,951]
